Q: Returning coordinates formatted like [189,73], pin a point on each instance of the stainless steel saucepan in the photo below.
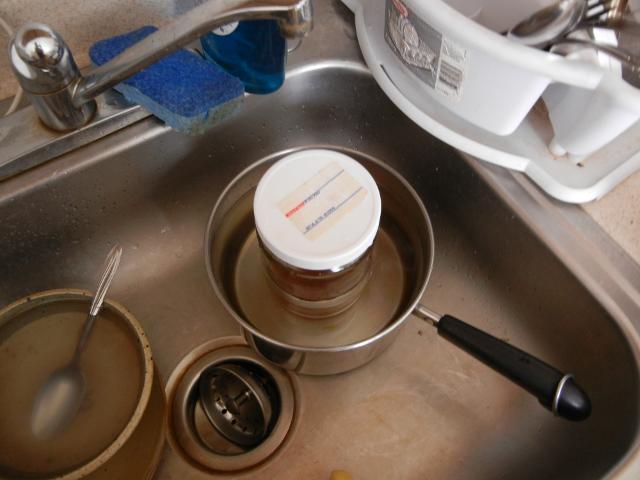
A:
[303,347]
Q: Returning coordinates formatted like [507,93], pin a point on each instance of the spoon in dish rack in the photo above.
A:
[59,399]
[549,24]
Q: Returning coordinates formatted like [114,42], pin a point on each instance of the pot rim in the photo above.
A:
[393,324]
[145,392]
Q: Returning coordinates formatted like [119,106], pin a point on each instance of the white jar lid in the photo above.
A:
[317,209]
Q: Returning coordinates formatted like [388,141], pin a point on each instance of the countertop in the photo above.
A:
[83,22]
[618,213]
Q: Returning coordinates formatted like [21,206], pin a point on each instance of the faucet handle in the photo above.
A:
[39,45]
[46,70]
[41,59]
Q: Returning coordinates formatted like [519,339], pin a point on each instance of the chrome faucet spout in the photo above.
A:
[64,99]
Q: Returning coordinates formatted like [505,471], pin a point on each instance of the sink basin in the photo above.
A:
[423,409]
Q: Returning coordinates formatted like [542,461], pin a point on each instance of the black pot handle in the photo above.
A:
[556,391]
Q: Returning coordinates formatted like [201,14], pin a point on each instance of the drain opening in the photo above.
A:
[230,410]
[240,401]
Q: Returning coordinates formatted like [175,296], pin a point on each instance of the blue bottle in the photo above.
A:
[253,51]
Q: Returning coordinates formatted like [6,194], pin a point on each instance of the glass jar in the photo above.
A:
[318,293]
[317,213]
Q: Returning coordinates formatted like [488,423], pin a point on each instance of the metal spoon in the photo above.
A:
[632,62]
[552,22]
[59,399]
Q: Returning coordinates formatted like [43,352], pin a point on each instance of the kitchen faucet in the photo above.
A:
[64,98]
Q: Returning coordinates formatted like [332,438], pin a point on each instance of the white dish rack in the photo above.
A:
[473,88]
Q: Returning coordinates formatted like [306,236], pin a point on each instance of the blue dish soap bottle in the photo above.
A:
[253,51]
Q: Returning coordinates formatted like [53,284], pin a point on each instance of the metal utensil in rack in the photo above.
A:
[555,21]
[622,44]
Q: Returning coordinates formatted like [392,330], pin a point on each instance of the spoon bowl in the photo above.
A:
[549,23]
[58,402]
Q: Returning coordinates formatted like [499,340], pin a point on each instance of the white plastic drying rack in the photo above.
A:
[525,150]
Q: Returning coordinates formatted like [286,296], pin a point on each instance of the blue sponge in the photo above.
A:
[186,91]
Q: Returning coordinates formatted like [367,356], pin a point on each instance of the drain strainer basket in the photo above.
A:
[229,409]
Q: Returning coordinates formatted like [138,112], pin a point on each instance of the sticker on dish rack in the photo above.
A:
[317,205]
[433,58]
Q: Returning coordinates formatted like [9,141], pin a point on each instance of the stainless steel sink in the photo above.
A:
[507,259]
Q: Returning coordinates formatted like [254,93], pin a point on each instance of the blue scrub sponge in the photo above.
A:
[186,91]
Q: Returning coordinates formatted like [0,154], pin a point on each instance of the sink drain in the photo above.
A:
[221,434]
[240,401]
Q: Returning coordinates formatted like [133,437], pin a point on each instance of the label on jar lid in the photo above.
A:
[321,201]
[317,209]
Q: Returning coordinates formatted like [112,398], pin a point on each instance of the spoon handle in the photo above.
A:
[619,53]
[112,262]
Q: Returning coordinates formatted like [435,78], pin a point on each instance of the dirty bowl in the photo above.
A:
[38,335]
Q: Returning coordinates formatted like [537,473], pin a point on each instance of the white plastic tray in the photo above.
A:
[526,149]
